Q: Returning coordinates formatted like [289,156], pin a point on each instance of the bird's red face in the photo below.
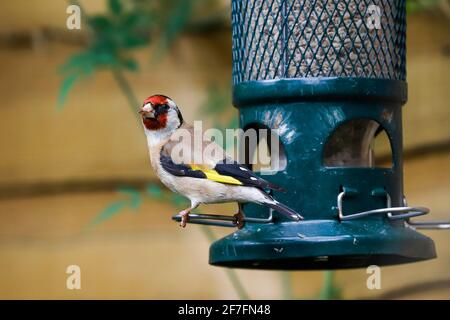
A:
[159,112]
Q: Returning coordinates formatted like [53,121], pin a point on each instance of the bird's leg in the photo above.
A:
[185,215]
[239,217]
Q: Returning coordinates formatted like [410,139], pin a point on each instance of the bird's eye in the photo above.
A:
[164,107]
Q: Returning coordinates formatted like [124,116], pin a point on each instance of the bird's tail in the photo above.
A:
[283,209]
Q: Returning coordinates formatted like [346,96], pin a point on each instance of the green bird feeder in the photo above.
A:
[327,76]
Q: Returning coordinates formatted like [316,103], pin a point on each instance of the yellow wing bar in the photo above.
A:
[213,175]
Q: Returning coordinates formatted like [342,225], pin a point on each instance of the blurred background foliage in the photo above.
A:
[128,25]
[420,5]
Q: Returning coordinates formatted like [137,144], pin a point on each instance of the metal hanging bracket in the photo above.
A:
[392,213]
[426,225]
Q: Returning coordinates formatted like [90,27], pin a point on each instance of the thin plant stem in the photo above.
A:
[117,73]
[329,290]
[237,284]
[231,274]
[123,84]
[286,285]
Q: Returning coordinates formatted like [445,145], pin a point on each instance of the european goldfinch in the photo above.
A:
[217,179]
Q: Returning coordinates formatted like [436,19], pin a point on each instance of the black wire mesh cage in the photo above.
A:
[275,39]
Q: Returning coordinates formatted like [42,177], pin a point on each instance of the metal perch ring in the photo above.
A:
[221,220]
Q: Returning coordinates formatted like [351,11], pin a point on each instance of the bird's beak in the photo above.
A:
[147,114]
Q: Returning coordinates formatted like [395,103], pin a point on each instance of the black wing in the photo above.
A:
[180,170]
[226,171]
[245,175]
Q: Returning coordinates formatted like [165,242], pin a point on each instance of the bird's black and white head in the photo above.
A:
[160,116]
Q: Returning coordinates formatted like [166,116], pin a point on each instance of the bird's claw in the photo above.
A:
[239,220]
[184,218]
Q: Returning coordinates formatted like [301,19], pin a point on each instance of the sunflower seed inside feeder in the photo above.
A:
[323,38]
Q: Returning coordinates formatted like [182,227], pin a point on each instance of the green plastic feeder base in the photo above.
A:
[309,113]
[321,244]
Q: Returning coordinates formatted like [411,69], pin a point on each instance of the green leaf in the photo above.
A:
[178,18]
[133,201]
[106,58]
[130,64]
[154,191]
[178,200]
[78,66]
[421,5]
[131,41]
[217,101]
[66,85]
[82,63]
[329,289]
[134,197]
[99,23]
[115,6]
[108,212]
[137,19]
